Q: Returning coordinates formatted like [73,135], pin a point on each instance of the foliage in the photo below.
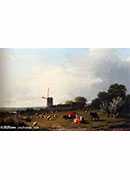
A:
[112,100]
[103,96]
[115,104]
[117,90]
[80,99]
[69,102]
[96,103]
[126,106]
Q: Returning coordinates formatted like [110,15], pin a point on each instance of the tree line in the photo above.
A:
[114,100]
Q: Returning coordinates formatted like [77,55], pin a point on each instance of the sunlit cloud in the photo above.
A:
[68,73]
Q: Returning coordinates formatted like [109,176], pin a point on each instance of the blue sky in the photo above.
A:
[124,52]
[56,55]
[68,72]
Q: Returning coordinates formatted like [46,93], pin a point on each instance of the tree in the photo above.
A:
[127,100]
[81,100]
[69,102]
[126,106]
[116,104]
[113,100]
[103,96]
[117,90]
[96,103]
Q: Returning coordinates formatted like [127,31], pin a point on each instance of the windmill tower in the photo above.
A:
[48,99]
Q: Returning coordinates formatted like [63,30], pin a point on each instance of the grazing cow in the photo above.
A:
[65,117]
[54,115]
[94,115]
[82,120]
[48,117]
[70,115]
[34,124]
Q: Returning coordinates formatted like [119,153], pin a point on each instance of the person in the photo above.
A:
[77,120]
[81,118]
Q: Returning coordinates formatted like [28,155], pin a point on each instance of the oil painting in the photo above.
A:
[65,89]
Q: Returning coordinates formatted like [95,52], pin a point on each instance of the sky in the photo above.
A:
[26,74]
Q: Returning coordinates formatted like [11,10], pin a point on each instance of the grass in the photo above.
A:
[59,123]
[104,123]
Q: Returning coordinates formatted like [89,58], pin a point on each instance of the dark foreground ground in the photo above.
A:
[56,122]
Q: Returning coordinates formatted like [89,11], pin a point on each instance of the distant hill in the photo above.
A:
[14,109]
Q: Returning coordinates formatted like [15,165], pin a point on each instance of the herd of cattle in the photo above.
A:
[50,116]
[34,119]
[77,119]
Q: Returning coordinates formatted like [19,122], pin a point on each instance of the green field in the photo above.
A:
[104,123]
[59,123]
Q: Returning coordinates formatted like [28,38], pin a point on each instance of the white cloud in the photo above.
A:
[85,76]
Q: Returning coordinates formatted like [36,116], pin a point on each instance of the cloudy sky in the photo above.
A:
[26,74]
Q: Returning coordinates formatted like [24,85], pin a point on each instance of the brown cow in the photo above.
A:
[94,116]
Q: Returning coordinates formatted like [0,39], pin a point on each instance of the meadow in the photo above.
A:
[59,123]
[104,123]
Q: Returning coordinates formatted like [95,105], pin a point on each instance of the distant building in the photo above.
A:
[49,101]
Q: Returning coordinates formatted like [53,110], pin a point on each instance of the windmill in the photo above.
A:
[48,99]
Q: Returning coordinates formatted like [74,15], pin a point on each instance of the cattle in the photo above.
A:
[82,120]
[70,115]
[34,124]
[94,115]
[54,115]
[65,117]
[48,117]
